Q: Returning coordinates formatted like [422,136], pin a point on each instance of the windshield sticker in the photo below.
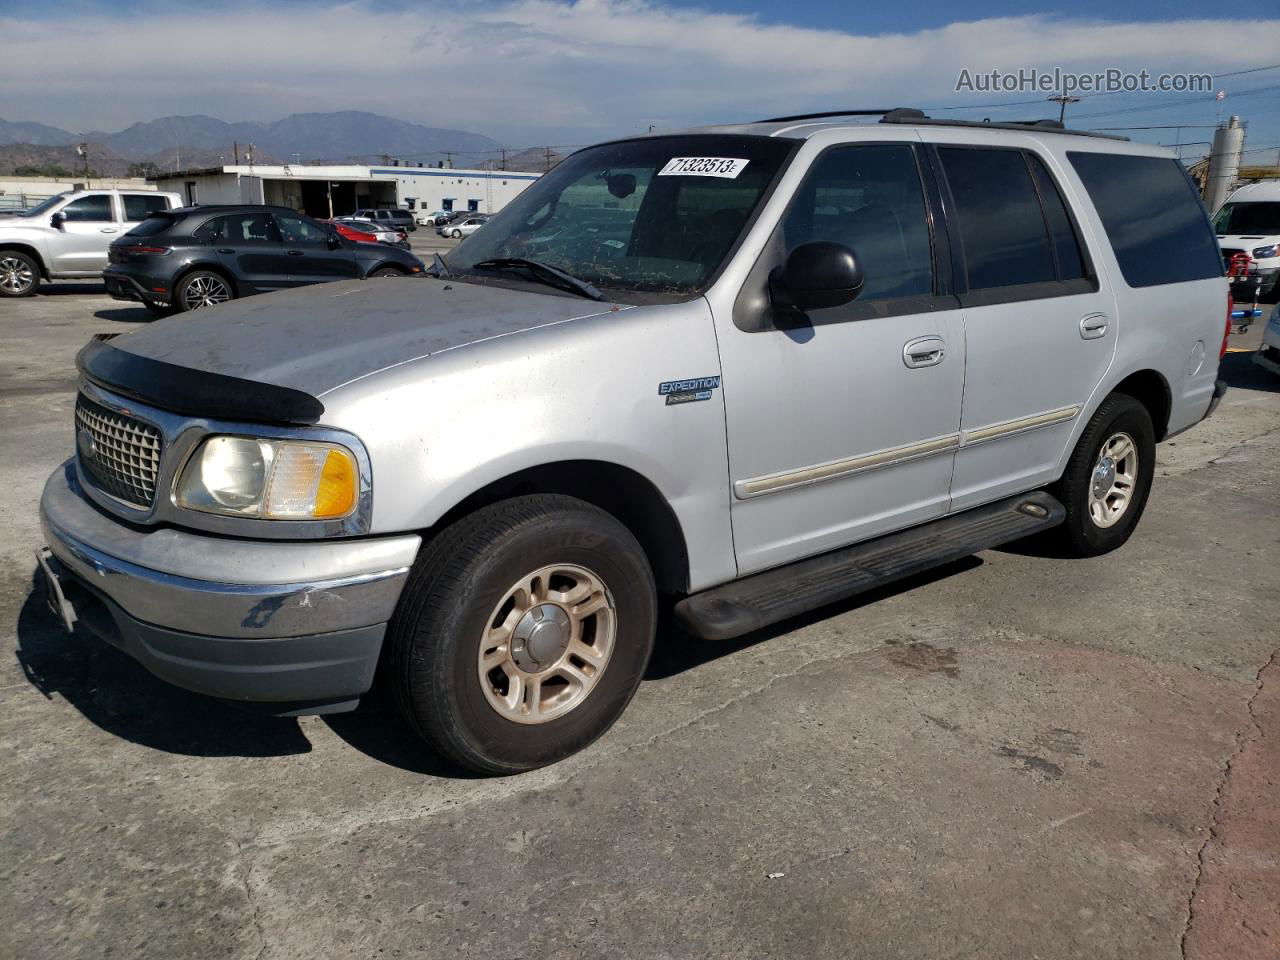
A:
[726,167]
[688,391]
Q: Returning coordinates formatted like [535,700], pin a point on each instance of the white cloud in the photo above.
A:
[523,70]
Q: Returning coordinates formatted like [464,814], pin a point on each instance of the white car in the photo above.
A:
[464,227]
[1249,224]
[66,237]
[1268,355]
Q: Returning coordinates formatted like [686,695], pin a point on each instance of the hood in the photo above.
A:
[317,338]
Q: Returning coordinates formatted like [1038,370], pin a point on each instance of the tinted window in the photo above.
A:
[998,211]
[94,209]
[151,226]
[869,199]
[297,230]
[1153,218]
[1260,217]
[1066,245]
[239,229]
[138,205]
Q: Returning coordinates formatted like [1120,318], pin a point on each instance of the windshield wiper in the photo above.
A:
[544,272]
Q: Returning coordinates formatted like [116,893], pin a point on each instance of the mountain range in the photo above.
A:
[343,137]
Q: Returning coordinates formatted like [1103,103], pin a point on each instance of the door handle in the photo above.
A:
[108,230]
[295,253]
[1094,326]
[924,352]
[225,250]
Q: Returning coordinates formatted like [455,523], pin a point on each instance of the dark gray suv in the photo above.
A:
[388,217]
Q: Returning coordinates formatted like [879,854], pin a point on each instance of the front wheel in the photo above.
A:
[1108,478]
[387,272]
[201,289]
[19,274]
[457,234]
[522,634]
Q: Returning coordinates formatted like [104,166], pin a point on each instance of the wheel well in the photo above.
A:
[207,268]
[31,252]
[627,495]
[1151,390]
[389,265]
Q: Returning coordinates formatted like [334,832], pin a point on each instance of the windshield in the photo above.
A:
[1260,218]
[657,215]
[44,205]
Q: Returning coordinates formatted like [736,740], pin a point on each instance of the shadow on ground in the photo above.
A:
[1240,372]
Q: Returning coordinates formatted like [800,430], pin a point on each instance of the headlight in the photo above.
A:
[1265,253]
[270,479]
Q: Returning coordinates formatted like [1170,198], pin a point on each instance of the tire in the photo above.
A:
[472,575]
[19,274]
[457,234]
[202,288]
[1097,525]
[387,272]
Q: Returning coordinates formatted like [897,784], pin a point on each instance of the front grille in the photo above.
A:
[120,454]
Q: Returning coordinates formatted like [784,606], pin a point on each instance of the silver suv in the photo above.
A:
[744,370]
[66,237]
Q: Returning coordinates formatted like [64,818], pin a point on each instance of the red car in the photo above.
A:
[359,236]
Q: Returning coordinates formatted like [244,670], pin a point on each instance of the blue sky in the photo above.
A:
[532,72]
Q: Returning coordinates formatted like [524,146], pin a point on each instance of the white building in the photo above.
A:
[19,193]
[326,191]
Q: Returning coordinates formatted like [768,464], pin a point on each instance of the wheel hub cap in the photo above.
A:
[540,637]
[1104,475]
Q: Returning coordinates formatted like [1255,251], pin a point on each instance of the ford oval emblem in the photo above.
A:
[85,443]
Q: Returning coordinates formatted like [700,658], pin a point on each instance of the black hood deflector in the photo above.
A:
[192,392]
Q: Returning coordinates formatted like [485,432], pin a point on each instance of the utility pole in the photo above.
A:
[1063,99]
[504,158]
[547,160]
[448,158]
[235,148]
[82,148]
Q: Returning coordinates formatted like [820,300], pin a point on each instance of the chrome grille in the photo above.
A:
[120,454]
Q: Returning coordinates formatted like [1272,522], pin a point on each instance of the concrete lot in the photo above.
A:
[1016,757]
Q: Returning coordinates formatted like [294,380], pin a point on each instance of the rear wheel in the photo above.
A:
[19,274]
[1108,478]
[202,288]
[522,634]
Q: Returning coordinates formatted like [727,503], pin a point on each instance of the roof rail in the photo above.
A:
[912,115]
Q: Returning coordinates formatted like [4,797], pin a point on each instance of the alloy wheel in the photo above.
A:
[16,276]
[205,291]
[1114,480]
[547,643]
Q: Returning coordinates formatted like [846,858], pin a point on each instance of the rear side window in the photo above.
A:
[1153,218]
[241,228]
[1002,228]
[1066,245]
[137,206]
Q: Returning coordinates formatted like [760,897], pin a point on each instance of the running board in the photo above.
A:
[765,598]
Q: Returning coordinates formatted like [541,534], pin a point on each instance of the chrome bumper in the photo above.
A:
[173,595]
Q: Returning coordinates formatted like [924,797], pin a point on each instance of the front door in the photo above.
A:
[79,245]
[249,246]
[312,256]
[843,423]
[1040,332]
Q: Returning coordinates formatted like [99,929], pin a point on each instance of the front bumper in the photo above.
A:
[297,624]
[1261,279]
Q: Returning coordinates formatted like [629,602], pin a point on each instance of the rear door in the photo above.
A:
[310,256]
[136,207]
[1039,328]
[79,245]
[248,246]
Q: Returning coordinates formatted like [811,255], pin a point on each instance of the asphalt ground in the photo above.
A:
[1016,756]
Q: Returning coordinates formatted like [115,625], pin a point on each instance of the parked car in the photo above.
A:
[389,216]
[196,257]
[66,237]
[1249,224]
[364,233]
[435,219]
[379,232]
[463,226]
[1268,355]
[804,359]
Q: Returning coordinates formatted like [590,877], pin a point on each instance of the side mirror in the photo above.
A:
[816,275]
[57,220]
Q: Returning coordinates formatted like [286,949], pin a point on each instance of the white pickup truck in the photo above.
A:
[66,237]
